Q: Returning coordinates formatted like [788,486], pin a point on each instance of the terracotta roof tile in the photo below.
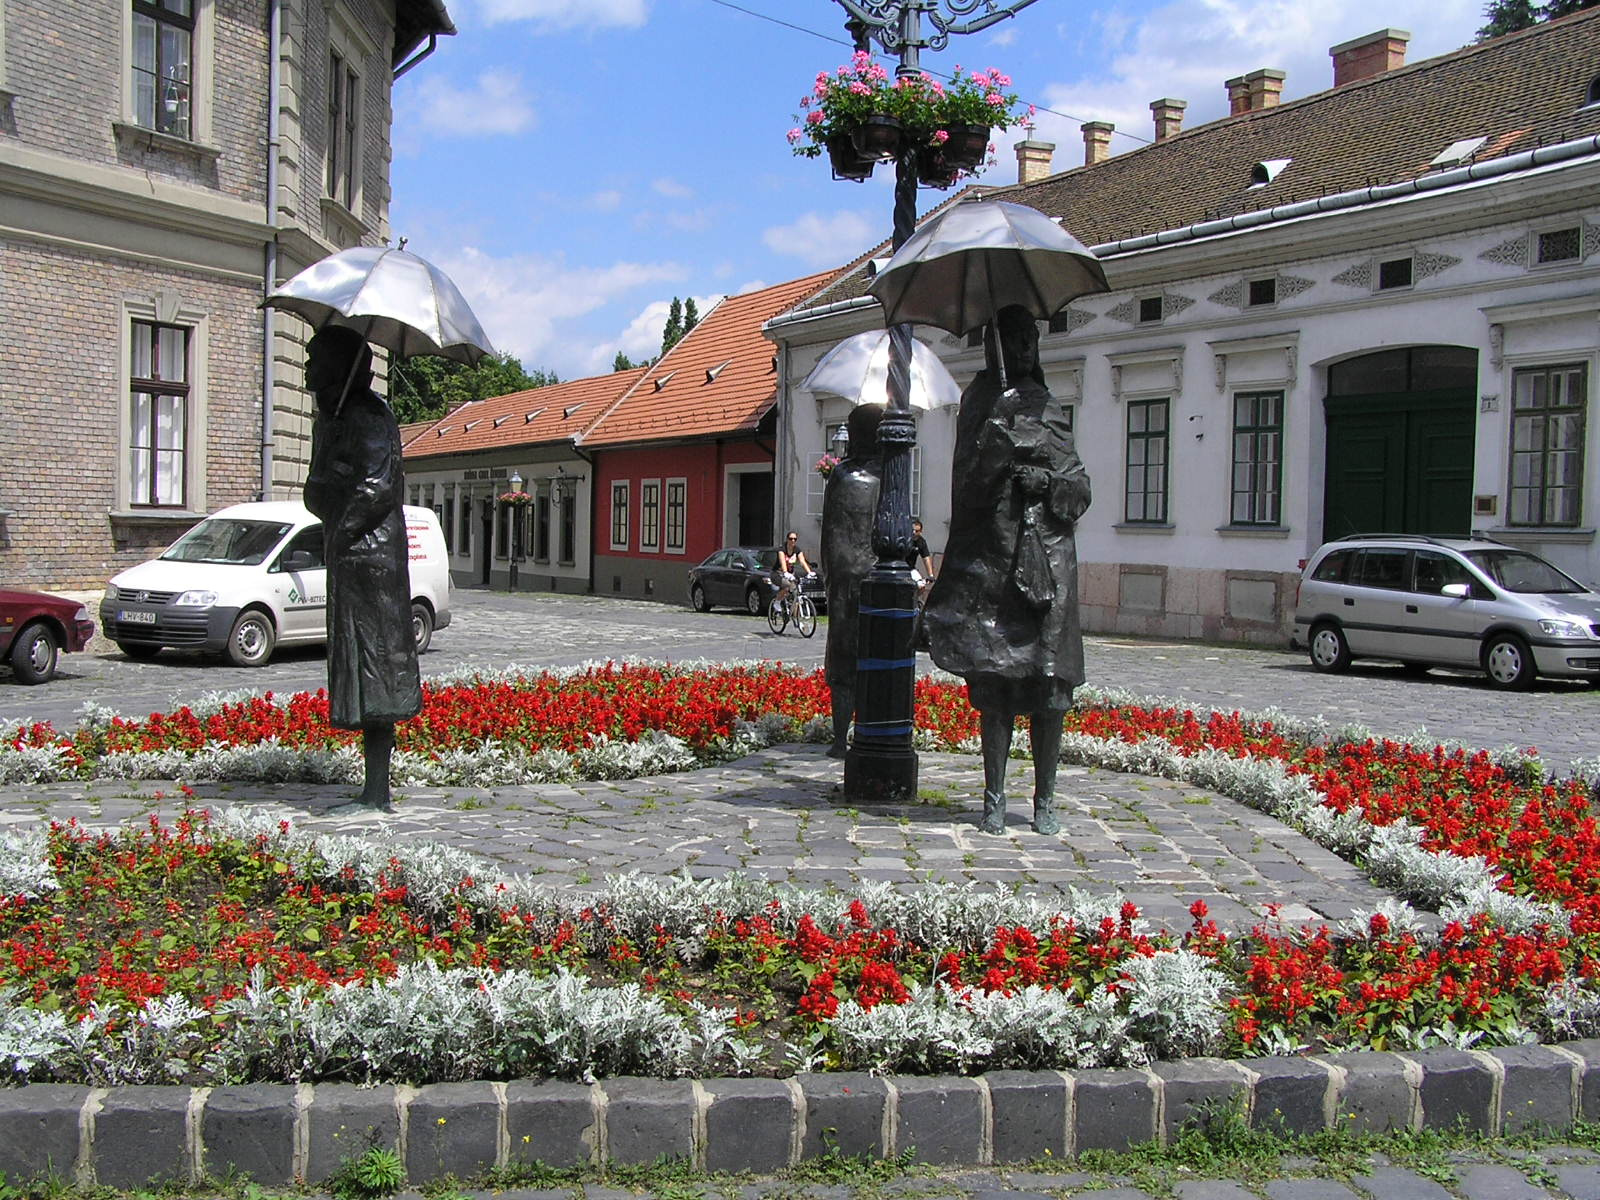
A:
[1520,91]
[555,413]
[719,379]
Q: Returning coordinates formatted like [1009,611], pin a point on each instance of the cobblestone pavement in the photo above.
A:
[1551,1171]
[776,814]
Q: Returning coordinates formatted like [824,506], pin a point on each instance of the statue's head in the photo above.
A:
[1019,339]
[861,426]
[338,363]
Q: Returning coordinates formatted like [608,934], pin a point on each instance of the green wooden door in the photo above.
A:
[1399,463]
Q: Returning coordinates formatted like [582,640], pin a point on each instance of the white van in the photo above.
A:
[250,578]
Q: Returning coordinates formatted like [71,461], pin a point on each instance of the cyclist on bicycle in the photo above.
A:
[791,562]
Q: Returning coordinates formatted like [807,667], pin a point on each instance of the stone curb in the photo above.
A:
[277,1135]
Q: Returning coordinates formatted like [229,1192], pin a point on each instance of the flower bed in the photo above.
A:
[229,947]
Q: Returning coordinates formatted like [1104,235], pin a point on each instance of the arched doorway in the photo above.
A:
[1401,425]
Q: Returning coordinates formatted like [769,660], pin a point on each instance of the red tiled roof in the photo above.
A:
[555,413]
[719,379]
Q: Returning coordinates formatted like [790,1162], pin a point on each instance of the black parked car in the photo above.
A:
[741,577]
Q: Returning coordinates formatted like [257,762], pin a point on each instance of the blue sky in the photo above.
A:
[574,164]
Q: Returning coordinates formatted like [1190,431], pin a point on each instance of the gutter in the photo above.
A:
[270,270]
[1561,152]
[433,43]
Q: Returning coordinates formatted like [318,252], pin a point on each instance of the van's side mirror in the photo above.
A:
[1456,591]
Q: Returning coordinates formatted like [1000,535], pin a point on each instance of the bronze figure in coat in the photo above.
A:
[1004,611]
[849,503]
[356,484]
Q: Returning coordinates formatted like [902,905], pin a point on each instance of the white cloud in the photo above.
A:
[824,239]
[671,187]
[492,104]
[608,201]
[1187,51]
[566,14]
[640,340]
[532,306]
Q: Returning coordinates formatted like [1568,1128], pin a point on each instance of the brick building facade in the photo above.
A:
[144,219]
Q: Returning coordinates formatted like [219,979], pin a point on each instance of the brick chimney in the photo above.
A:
[1364,57]
[1168,114]
[1238,96]
[1096,141]
[1033,158]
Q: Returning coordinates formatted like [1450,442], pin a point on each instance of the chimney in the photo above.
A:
[1096,141]
[1265,87]
[1168,114]
[1238,96]
[1033,158]
[1364,57]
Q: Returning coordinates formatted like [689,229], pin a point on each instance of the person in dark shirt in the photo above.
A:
[920,560]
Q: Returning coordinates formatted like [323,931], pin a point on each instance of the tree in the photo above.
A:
[424,388]
[673,331]
[691,315]
[623,363]
[1508,16]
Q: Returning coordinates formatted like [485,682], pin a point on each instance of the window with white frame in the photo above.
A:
[1548,411]
[650,514]
[163,65]
[1257,458]
[159,415]
[619,514]
[343,153]
[1146,480]
[677,514]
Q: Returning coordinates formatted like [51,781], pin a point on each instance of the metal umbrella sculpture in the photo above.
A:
[858,369]
[392,298]
[978,257]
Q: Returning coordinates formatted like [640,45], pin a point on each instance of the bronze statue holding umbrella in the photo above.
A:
[356,481]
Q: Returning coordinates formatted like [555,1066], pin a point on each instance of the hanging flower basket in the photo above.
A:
[514,499]
[966,146]
[878,137]
[846,161]
[934,169]
[826,464]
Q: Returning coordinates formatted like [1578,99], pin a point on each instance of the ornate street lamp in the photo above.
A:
[516,522]
[881,764]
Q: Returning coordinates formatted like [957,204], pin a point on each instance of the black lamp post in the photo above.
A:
[881,763]
[515,522]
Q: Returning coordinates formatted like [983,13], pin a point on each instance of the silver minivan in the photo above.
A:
[1446,602]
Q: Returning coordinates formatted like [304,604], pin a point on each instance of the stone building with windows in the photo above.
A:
[1376,308]
[162,163]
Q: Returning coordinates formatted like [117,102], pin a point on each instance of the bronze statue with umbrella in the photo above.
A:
[1003,613]
[356,481]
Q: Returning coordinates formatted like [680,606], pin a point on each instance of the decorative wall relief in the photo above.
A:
[1172,303]
[1513,253]
[1127,312]
[1231,296]
[1424,265]
[1358,276]
[1290,286]
[1591,239]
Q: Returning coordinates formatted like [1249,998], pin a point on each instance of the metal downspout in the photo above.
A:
[270,281]
[594,493]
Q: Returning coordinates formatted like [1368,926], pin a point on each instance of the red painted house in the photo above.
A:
[683,461]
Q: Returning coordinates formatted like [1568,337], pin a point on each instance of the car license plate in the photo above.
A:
[130,617]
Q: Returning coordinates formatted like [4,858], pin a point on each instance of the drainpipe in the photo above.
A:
[594,491]
[433,42]
[274,46]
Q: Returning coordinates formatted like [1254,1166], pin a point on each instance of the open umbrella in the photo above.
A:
[390,297]
[858,369]
[965,265]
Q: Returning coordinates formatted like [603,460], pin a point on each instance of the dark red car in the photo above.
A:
[35,627]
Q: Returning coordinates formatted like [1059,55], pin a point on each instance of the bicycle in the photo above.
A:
[797,608]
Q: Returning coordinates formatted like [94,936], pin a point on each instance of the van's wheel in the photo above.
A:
[1330,653]
[697,599]
[753,603]
[421,626]
[1508,662]
[252,640]
[141,651]
[34,654]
